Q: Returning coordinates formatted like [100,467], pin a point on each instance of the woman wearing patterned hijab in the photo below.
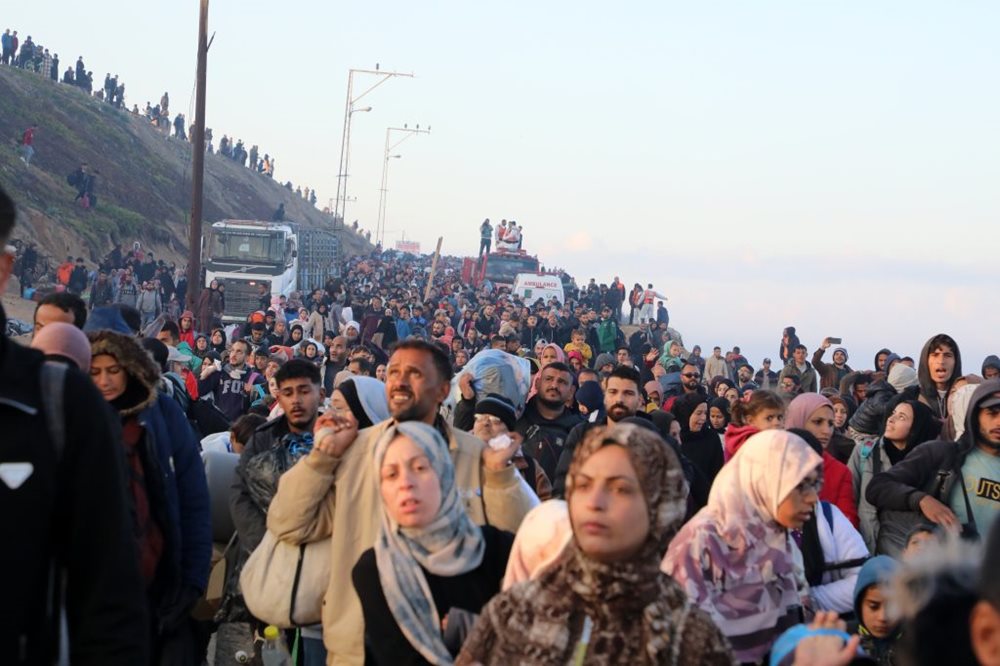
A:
[607,602]
[429,557]
[736,558]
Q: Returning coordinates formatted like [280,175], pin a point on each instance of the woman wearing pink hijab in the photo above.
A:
[64,342]
[551,353]
[814,413]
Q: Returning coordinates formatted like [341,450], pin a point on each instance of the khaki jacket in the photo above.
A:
[323,496]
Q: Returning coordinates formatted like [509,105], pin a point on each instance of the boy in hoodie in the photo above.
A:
[878,633]
[940,366]
[991,367]
[954,484]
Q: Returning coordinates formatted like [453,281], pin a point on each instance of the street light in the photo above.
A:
[383,190]
[340,209]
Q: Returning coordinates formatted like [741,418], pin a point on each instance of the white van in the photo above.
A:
[532,286]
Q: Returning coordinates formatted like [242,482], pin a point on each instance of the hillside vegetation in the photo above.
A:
[144,182]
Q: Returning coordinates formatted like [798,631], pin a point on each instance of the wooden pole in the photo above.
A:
[434,267]
[198,162]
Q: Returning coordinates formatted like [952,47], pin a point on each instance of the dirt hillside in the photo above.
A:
[144,181]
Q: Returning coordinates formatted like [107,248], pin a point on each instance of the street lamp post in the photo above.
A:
[340,208]
[383,190]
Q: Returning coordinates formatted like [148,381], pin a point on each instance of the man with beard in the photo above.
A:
[744,375]
[690,383]
[299,395]
[953,484]
[546,422]
[230,386]
[336,361]
[622,399]
[831,375]
[333,492]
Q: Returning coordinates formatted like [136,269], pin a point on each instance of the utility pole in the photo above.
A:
[198,163]
[345,139]
[434,267]
[384,189]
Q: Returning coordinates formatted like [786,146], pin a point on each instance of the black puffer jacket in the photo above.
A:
[870,416]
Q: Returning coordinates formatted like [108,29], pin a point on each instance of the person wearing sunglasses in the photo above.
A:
[736,559]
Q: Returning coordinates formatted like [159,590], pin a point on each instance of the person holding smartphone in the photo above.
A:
[831,374]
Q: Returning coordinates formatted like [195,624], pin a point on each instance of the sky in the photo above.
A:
[828,165]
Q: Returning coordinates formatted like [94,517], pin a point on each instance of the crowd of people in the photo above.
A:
[34,57]
[417,470]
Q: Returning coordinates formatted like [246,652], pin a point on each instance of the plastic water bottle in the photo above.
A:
[274,652]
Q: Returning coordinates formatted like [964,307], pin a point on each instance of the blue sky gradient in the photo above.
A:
[828,165]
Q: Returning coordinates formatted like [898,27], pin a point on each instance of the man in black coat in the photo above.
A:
[546,423]
[66,514]
[953,484]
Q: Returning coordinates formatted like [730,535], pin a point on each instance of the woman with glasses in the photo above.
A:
[361,399]
[736,559]
[496,417]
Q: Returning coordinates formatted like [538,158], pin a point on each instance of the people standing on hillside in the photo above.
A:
[165,104]
[6,40]
[179,127]
[28,144]
[649,295]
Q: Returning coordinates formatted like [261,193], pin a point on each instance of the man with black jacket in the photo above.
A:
[300,393]
[622,399]
[67,521]
[954,484]
[546,423]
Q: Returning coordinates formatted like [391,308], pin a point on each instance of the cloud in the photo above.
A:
[581,241]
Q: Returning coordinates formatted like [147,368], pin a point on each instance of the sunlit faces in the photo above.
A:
[899,423]
[487,426]
[839,415]
[731,394]
[698,418]
[341,407]
[414,386]
[554,386]
[767,419]
[941,365]
[621,399]
[989,426]
[717,418]
[410,488]
[797,508]
[108,376]
[299,398]
[607,507]
[820,424]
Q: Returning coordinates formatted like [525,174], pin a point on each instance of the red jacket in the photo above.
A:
[837,487]
[735,437]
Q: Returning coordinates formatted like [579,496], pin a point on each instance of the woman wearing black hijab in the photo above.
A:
[789,341]
[699,442]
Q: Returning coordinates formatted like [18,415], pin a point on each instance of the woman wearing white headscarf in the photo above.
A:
[429,556]
[361,398]
[736,558]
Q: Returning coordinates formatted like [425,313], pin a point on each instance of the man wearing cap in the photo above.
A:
[766,378]
[954,484]
[495,416]
[831,375]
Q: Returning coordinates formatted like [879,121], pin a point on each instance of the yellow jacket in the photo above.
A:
[321,493]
